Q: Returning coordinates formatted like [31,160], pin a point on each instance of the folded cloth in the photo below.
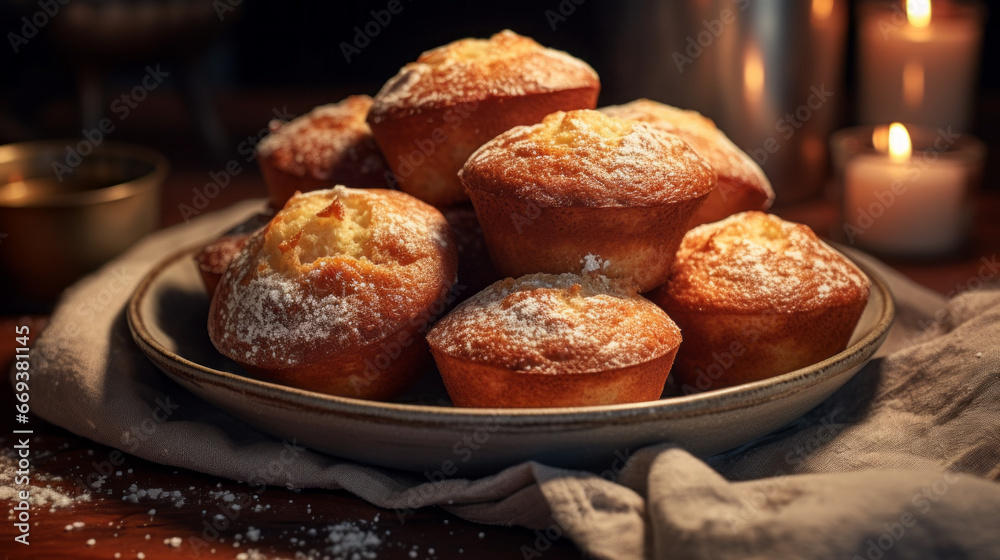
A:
[901,462]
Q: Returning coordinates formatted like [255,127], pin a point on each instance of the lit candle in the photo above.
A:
[899,203]
[919,65]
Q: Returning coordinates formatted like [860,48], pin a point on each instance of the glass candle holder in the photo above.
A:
[906,190]
[918,61]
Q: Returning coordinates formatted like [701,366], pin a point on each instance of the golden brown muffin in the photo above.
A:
[583,183]
[547,340]
[756,297]
[742,183]
[214,258]
[335,293]
[438,110]
[330,145]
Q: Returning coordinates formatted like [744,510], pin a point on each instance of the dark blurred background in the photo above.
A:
[199,80]
[249,57]
[253,57]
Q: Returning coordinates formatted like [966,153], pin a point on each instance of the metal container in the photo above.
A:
[63,214]
[769,74]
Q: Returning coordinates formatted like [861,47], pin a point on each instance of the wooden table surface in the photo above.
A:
[190,517]
[117,521]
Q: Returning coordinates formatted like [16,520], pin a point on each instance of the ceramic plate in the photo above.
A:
[421,431]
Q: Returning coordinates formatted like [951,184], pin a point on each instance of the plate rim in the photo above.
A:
[693,405]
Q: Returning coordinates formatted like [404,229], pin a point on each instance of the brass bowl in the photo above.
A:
[63,215]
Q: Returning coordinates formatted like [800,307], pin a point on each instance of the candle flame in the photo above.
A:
[900,147]
[918,12]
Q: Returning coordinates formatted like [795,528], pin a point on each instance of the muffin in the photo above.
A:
[335,294]
[330,145]
[742,183]
[214,258]
[546,340]
[436,111]
[582,183]
[756,297]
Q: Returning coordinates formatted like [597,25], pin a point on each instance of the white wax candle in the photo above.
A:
[921,75]
[905,208]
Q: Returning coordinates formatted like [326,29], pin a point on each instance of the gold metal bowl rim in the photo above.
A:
[118,191]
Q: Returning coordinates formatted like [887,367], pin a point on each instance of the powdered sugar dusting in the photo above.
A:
[593,263]
[283,297]
[566,323]
[584,158]
[348,540]
[49,495]
[732,164]
[754,261]
[260,308]
[468,70]
[323,140]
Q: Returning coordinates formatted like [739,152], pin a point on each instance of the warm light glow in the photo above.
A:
[880,139]
[918,12]
[753,75]
[821,9]
[913,84]
[900,147]
[14,190]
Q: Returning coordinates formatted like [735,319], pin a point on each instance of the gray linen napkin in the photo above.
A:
[902,462]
